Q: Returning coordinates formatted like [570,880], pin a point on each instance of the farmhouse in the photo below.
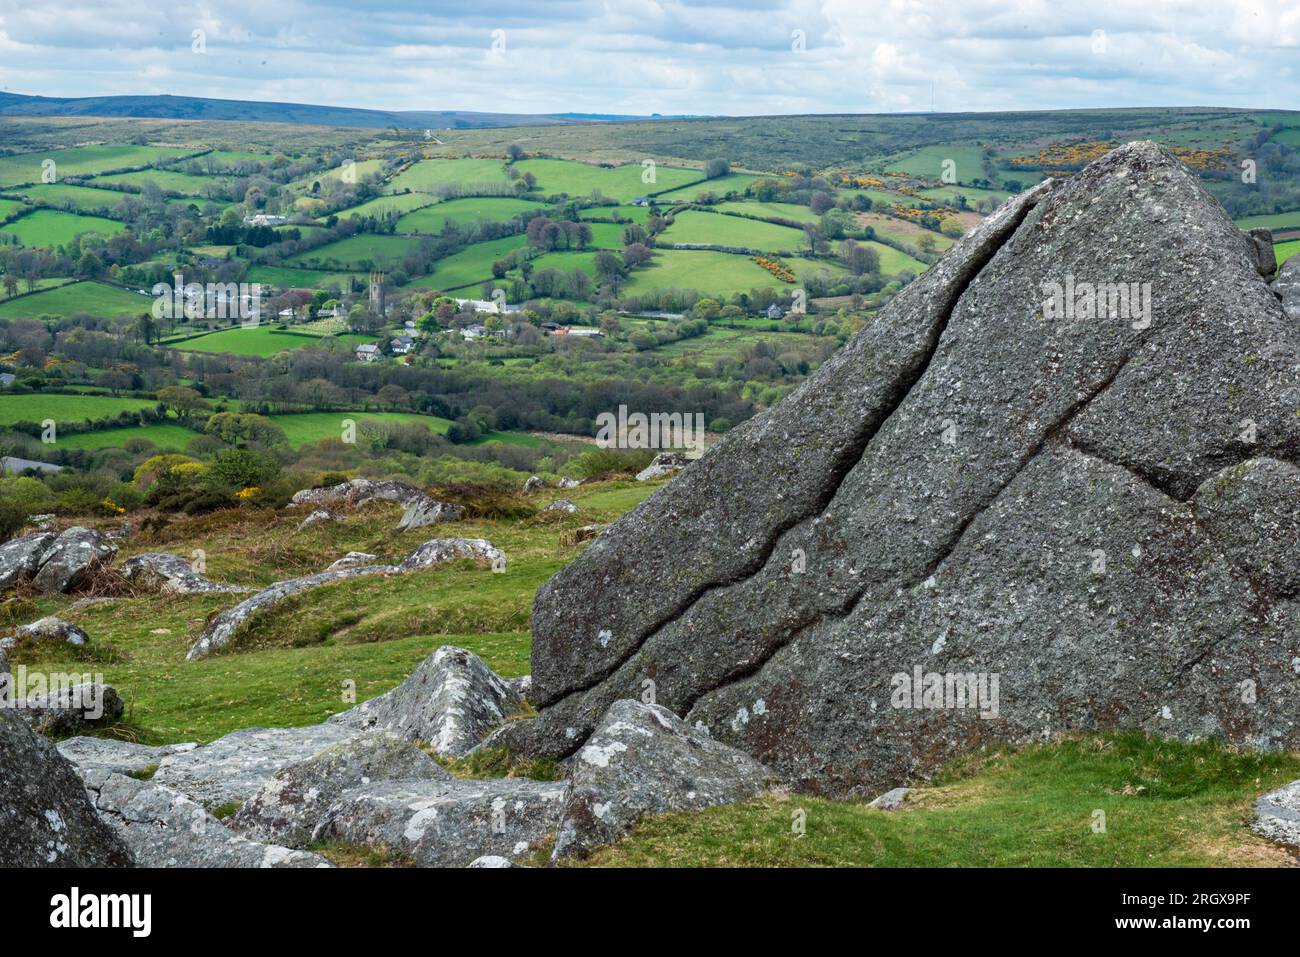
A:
[402,345]
[476,331]
[582,332]
[774,311]
[368,352]
[265,219]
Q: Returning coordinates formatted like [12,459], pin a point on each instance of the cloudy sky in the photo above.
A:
[665,56]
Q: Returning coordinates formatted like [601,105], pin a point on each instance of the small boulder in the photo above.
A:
[492,860]
[428,512]
[446,823]
[73,709]
[643,759]
[319,517]
[561,505]
[891,800]
[567,483]
[171,575]
[438,551]
[664,465]
[165,828]
[20,558]
[584,534]
[289,807]
[535,483]
[49,630]
[1265,258]
[358,492]
[452,700]
[353,560]
[73,556]
[1277,815]
[46,819]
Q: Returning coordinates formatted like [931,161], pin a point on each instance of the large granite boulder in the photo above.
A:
[165,828]
[426,511]
[360,491]
[288,809]
[1287,287]
[21,557]
[995,515]
[49,630]
[452,701]
[643,759]
[73,556]
[71,708]
[119,757]
[46,819]
[171,575]
[446,823]
[234,768]
[439,551]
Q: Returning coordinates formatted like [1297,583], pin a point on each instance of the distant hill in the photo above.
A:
[202,108]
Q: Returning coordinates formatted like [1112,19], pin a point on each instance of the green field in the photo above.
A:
[567,261]
[717,229]
[636,214]
[798,214]
[302,428]
[169,181]
[285,277]
[464,212]
[892,262]
[731,183]
[10,206]
[51,227]
[91,298]
[429,176]
[82,198]
[622,183]
[363,251]
[359,169]
[929,162]
[713,273]
[973,194]
[82,161]
[37,407]
[400,203]
[164,435]
[1289,220]
[470,265]
[1286,250]
[261,341]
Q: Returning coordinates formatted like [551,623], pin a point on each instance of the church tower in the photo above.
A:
[377,293]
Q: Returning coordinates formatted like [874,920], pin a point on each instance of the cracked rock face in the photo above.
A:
[452,701]
[643,759]
[46,819]
[357,492]
[1277,815]
[171,575]
[1287,287]
[425,511]
[1067,514]
[71,558]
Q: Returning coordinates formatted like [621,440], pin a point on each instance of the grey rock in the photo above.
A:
[492,860]
[41,521]
[521,686]
[20,557]
[51,630]
[165,828]
[73,556]
[446,823]
[171,575]
[46,819]
[664,465]
[1287,287]
[5,678]
[428,512]
[535,483]
[357,492]
[891,800]
[567,483]
[584,534]
[1265,257]
[452,701]
[226,626]
[561,505]
[237,766]
[976,484]
[287,810]
[353,560]
[1277,815]
[118,757]
[71,709]
[643,759]
[438,551]
[319,516]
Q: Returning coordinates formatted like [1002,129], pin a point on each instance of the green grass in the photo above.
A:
[286,277]
[91,298]
[49,227]
[261,341]
[1166,804]
[82,161]
[164,435]
[362,251]
[464,212]
[167,180]
[1279,221]
[636,214]
[799,214]
[716,229]
[1286,250]
[470,265]
[892,262]
[401,203]
[622,183]
[36,407]
[81,198]
[710,272]
[302,428]
[428,176]
[929,160]
[731,183]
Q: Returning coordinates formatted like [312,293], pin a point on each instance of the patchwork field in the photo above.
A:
[470,265]
[399,203]
[720,186]
[36,407]
[362,251]
[719,229]
[49,227]
[622,183]
[463,212]
[262,341]
[91,298]
[287,277]
[166,180]
[756,210]
[902,230]
[81,198]
[82,161]
[711,272]
[429,176]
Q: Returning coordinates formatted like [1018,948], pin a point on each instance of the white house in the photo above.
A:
[368,352]
[402,345]
[265,219]
[476,331]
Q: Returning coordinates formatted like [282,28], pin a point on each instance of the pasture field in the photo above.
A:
[287,277]
[567,261]
[164,435]
[637,214]
[303,428]
[470,265]
[721,186]
[399,202]
[89,297]
[233,158]
[718,229]
[713,273]
[928,162]
[464,212]
[892,262]
[798,214]
[429,176]
[973,194]
[261,341]
[902,230]
[10,206]
[38,406]
[1278,221]
[85,199]
[51,227]
[361,168]
[622,183]
[363,251]
[169,181]
[23,168]
[1286,250]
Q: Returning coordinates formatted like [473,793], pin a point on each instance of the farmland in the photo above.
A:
[357,252]
[263,341]
[431,219]
[89,298]
[26,168]
[622,183]
[48,227]
[429,176]
[65,408]
[715,229]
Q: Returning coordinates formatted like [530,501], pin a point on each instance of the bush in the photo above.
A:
[12,518]
[605,462]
